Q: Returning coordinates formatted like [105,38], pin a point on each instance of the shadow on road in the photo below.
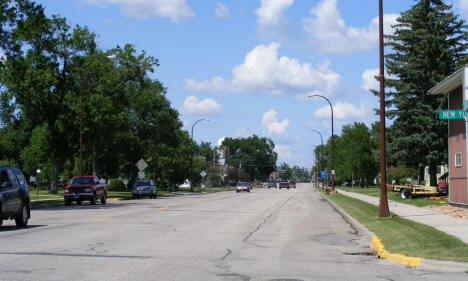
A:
[5,228]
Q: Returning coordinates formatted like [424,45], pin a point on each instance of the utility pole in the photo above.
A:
[383,206]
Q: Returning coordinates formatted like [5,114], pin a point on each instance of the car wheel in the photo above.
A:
[78,202]
[237,191]
[67,202]
[93,200]
[104,199]
[248,190]
[288,188]
[133,196]
[22,219]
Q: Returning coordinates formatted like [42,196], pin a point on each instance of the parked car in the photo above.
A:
[144,188]
[292,184]
[284,184]
[14,196]
[243,186]
[272,184]
[85,188]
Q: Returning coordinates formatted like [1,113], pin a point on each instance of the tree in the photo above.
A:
[41,56]
[355,152]
[255,155]
[428,44]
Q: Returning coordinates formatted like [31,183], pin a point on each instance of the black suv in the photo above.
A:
[14,196]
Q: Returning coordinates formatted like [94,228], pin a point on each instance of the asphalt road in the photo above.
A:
[267,234]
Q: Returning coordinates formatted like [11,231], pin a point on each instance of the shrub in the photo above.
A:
[116,184]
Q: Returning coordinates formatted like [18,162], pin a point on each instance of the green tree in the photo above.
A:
[428,43]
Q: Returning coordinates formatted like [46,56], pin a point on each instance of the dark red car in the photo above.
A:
[291,184]
[85,188]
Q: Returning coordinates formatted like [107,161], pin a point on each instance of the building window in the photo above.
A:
[458,159]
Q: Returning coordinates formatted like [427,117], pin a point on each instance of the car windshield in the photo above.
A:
[82,180]
[242,184]
[142,183]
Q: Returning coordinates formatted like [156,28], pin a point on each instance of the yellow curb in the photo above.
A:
[162,209]
[104,219]
[399,258]
[114,199]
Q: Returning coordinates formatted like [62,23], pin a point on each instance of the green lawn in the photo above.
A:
[404,236]
[395,196]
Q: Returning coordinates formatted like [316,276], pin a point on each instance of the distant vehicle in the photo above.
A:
[272,184]
[85,188]
[292,184]
[284,184]
[14,196]
[144,188]
[243,186]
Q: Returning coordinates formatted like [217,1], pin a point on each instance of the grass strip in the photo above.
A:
[404,236]
[394,196]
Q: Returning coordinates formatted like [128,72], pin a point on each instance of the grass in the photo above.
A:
[394,196]
[404,236]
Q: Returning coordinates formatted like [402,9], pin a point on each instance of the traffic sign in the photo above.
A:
[141,175]
[322,174]
[203,174]
[452,114]
[141,165]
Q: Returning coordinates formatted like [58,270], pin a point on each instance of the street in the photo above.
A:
[267,234]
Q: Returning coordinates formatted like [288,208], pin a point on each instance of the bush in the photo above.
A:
[116,184]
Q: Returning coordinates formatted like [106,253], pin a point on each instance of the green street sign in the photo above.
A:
[452,114]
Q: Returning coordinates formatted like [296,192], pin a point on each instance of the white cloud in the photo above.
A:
[270,14]
[330,34]
[143,9]
[207,107]
[271,125]
[242,133]
[264,72]
[368,79]
[343,111]
[463,5]
[222,11]
[284,151]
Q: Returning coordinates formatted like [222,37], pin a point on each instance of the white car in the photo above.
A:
[243,186]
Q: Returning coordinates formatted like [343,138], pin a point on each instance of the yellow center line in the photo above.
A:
[103,219]
[162,209]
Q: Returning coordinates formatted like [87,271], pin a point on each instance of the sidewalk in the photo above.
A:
[447,224]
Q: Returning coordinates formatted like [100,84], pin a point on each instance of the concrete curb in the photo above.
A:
[379,249]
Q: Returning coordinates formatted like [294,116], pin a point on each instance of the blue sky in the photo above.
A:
[249,65]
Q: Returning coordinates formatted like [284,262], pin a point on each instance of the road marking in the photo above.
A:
[198,202]
[104,219]
[162,209]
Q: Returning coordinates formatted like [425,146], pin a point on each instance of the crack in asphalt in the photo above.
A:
[245,240]
[226,255]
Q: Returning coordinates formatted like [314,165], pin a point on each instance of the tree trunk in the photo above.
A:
[433,174]
[53,173]
[95,160]
[421,174]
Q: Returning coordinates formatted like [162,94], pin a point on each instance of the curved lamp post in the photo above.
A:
[191,160]
[83,71]
[321,158]
[332,141]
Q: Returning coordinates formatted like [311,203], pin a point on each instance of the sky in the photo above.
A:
[249,65]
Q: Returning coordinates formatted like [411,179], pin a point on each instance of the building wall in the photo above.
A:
[457,143]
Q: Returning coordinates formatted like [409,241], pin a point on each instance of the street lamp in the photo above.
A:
[332,141]
[83,71]
[191,161]
[321,156]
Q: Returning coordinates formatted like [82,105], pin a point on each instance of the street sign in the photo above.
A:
[141,165]
[322,174]
[203,174]
[452,114]
[141,175]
